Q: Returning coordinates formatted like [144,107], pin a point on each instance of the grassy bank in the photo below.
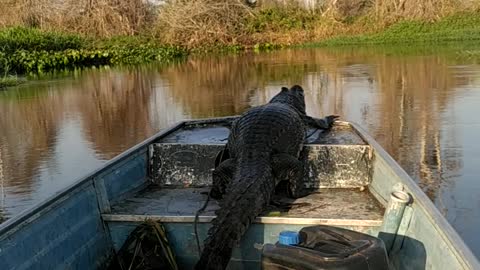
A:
[199,23]
[458,27]
[85,33]
[29,50]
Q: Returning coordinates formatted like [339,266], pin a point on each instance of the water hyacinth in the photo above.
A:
[33,51]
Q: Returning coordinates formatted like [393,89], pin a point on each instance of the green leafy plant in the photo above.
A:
[25,50]
[281,19]
[22,38]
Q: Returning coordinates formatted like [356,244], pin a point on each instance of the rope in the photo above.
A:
[196,222]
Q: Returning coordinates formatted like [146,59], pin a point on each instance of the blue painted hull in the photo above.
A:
[69,233]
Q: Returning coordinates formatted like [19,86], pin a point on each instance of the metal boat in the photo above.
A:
[355,185]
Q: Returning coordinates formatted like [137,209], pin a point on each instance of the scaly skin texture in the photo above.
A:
[263,149]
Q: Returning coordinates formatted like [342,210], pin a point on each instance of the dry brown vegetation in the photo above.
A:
[194,23]
[103,18]
[200,22]
[425,9]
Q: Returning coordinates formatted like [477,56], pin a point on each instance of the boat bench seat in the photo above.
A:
[342,207]
[175,208]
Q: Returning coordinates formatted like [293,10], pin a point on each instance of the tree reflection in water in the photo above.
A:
[404,99]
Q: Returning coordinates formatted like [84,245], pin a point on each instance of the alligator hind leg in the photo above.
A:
[287,167]
[222,177]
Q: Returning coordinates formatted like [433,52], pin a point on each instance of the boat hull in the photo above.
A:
[81,226]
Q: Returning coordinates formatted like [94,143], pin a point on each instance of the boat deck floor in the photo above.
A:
[329,206]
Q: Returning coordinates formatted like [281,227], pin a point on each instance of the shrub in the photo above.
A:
[21,38]
[202,22]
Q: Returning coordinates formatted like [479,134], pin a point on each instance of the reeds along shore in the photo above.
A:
[206,22]
[43,35]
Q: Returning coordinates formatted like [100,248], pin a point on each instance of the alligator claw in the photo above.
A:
[331,119]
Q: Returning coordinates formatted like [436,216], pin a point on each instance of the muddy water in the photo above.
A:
[422,105]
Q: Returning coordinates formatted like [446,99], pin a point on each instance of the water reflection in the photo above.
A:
[400,100]
[413,103]
[115,110]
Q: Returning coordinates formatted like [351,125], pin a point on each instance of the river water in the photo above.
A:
[422,105]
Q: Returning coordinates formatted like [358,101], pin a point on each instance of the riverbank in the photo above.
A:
[33,51]
[25,50]
[29,50]
[458,27]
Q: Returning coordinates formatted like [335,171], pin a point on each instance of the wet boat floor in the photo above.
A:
[348,206]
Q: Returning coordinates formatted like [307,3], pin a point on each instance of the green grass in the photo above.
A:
[281,19]
[9,81]
[459,27]
[21,38]
[470,55]
[474,54]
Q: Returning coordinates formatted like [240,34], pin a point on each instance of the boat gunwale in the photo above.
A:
[462,252]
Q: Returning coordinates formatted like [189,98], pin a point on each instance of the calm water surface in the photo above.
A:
[423,108]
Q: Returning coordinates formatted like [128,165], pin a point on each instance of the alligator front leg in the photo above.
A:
[222,177]
[287,167]
[324,123]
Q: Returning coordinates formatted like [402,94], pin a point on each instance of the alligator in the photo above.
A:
[263,149]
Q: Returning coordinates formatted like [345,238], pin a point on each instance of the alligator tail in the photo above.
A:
[245,199]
